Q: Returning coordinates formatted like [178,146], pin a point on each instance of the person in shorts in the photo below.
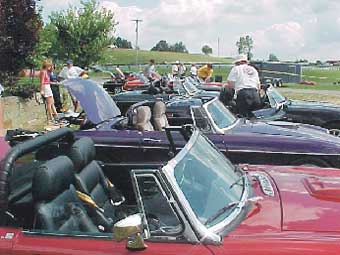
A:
[46,92]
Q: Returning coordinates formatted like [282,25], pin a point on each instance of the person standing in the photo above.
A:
[193,70]
[46,92]
[70,71]
[245,80]
[150,71]
[55,88]
[175,69]
[182,69]
[205,72]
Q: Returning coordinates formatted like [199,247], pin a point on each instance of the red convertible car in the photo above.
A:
[63,201]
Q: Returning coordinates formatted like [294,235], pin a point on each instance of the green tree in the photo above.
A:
[81,34]
[273,58]
[178,47]
[245,45]
[206,49]
[162,45]
[123,43]
[20,22]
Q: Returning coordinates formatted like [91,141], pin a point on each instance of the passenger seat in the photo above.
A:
[160,120]
[143,119]
[57,207]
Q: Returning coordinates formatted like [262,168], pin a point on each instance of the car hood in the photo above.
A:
[282,128]
[304,199]
[95,101]
[312,105]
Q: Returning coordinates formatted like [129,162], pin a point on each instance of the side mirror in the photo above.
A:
[130,229]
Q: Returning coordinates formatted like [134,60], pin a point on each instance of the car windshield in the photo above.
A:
[178,87]
[219,114]
[207,180]
[190,87]
[274,96]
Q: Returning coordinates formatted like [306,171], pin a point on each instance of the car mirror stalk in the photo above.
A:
[130,229]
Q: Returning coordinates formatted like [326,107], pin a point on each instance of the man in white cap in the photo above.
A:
[245,80]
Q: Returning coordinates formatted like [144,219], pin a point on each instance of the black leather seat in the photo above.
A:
[91,180]
[58,208]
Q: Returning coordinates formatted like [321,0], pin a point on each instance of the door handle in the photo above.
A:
[151,140]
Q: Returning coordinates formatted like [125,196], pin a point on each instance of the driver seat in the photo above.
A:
[91,181]
[57,206]
[160,120]
[143,119]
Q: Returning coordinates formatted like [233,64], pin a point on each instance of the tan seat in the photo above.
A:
[159,118]
[143,119]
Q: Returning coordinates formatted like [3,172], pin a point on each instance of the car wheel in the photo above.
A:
[312,162]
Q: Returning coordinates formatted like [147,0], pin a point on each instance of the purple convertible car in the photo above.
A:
[142,135]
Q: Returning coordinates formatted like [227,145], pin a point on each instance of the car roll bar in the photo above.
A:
[6,165]
[185,130]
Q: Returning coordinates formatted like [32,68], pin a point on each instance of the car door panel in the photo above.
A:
[43,245]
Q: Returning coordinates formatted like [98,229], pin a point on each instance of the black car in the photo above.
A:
[278,107]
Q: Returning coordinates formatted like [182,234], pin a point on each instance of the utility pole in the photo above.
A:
[136,46]
[218,46]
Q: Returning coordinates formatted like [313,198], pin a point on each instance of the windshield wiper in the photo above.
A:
[243,176]
[230,206]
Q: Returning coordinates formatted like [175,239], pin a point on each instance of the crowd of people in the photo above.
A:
[49,86]
[243,80]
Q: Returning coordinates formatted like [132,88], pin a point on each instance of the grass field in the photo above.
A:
[321,76]
[128,57]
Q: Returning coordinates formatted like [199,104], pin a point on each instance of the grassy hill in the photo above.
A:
[127,56]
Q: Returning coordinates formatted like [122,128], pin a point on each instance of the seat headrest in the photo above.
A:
[52,178]
[159,109]
[82,152]
[143,114]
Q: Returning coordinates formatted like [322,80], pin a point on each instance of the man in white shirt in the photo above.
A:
[68,72]
[193,70]
[182,69]
[245,80]
[150,71]
[175,68]
[71,71]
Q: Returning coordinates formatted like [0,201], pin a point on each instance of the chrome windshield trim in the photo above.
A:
[277,105]
[285,152]
[218,129]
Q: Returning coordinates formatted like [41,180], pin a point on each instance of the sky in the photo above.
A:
[290,29]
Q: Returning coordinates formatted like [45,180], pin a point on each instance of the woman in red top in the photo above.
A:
[45,90]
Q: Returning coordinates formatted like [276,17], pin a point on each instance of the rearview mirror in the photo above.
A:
[130,229]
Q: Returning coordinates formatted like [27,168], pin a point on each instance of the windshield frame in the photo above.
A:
[216,127]
[190,92]
[272,90]
[208,235]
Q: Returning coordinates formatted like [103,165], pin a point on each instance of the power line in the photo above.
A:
[136,46]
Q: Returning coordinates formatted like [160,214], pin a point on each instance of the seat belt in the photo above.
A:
[88,200]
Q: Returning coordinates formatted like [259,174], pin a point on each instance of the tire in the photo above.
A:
[312,162]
